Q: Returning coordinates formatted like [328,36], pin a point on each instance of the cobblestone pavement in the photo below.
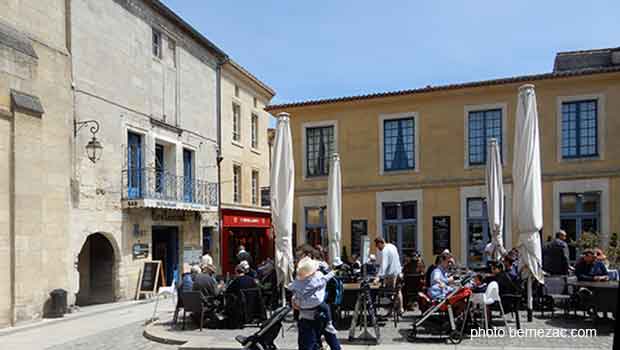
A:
[128,337]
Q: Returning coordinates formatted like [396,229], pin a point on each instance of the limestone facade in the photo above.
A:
[137,71]
[440,182]
[35,148]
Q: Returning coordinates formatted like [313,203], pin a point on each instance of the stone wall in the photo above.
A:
[121,84]
[35,147]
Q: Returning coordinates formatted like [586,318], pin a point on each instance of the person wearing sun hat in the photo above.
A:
[308,291]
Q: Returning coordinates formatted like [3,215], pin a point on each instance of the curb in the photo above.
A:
[41,323]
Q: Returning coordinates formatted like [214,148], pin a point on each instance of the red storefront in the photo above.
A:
[250,229]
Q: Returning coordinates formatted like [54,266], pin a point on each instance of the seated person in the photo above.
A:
[504,280]
[205,282]
[430,270]
[511,268]
[242,280]
[477,284]
[439,280]
[187,282]
[588,268]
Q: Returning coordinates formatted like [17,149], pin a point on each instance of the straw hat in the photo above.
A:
[207,268]
[306,267]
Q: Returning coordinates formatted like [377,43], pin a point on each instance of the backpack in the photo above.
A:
[334,291]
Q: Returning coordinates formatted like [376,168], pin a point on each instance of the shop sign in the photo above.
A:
[246,221]
[168,215]
[140,251]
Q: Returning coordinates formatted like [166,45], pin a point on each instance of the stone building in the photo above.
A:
[413,161]
[35,148]
[244,167]
[150,82]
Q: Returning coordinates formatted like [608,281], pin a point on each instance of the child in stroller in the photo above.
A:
[445,307]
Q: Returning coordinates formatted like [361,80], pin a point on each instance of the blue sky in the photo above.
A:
[318,49]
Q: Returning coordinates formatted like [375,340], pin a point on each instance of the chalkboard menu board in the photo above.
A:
[441,234]
[359,228]
[149,277]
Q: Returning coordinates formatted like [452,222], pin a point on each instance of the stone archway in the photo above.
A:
[97,266]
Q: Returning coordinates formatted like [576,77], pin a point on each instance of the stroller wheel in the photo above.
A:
[413,334]
[455,337]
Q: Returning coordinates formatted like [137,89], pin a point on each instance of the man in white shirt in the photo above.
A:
[390,268]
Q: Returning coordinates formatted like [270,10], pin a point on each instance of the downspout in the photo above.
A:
[218,111]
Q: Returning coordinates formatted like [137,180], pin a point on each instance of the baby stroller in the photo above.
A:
[440,317]
[264,338]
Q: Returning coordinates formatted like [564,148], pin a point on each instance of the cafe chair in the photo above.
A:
[253,306]
[488,298]
[555,293]
[192,302]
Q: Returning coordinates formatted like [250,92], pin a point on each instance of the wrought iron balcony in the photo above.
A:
[153,188]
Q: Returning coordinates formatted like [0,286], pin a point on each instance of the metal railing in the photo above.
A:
[151,183]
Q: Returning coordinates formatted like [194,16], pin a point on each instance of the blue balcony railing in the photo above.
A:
[151,183]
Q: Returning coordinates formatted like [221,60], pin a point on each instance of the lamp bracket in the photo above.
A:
[77,126]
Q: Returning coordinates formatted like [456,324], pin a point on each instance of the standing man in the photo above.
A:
[560,242]
[390,268]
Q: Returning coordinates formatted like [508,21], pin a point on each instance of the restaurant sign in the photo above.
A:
[246,221]
[163,204]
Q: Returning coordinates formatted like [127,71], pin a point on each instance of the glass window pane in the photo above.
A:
[409,210]
[398,144]
[568,203]
[390,211]
[390,233]
[409,239]
[590,202]
[313,216]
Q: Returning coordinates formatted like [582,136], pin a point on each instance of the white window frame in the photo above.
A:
[481,192]
[305,126]
[601,118]
[416,142]
[402,196]
[581,186]
[503,106]
[255,187]
[255,126]
[237,183]
[236,125]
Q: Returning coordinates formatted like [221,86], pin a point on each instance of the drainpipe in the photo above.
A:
[218,111]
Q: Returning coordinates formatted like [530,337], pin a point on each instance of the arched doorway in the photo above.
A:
[96,266]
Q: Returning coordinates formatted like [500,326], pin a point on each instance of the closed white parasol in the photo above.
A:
[282,191]
[334,206]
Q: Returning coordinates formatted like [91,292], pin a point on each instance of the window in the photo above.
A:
[134,165]
[159,168]
[237,91]
[255,188]
[316,226]
[236,183]
[236,122]
[188,176]
[579,129]
[172,49]
[319,147]
[579,213]
[398,144]
[156,43]
[483,126]
[255,102]
[400,225]
[254,131]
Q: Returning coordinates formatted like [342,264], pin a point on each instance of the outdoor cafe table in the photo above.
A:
[604,294]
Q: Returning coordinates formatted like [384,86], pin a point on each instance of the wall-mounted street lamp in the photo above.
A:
[93,147]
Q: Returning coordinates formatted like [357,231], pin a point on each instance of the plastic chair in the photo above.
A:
[490,297]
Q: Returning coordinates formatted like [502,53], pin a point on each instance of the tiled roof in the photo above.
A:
[427,89]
